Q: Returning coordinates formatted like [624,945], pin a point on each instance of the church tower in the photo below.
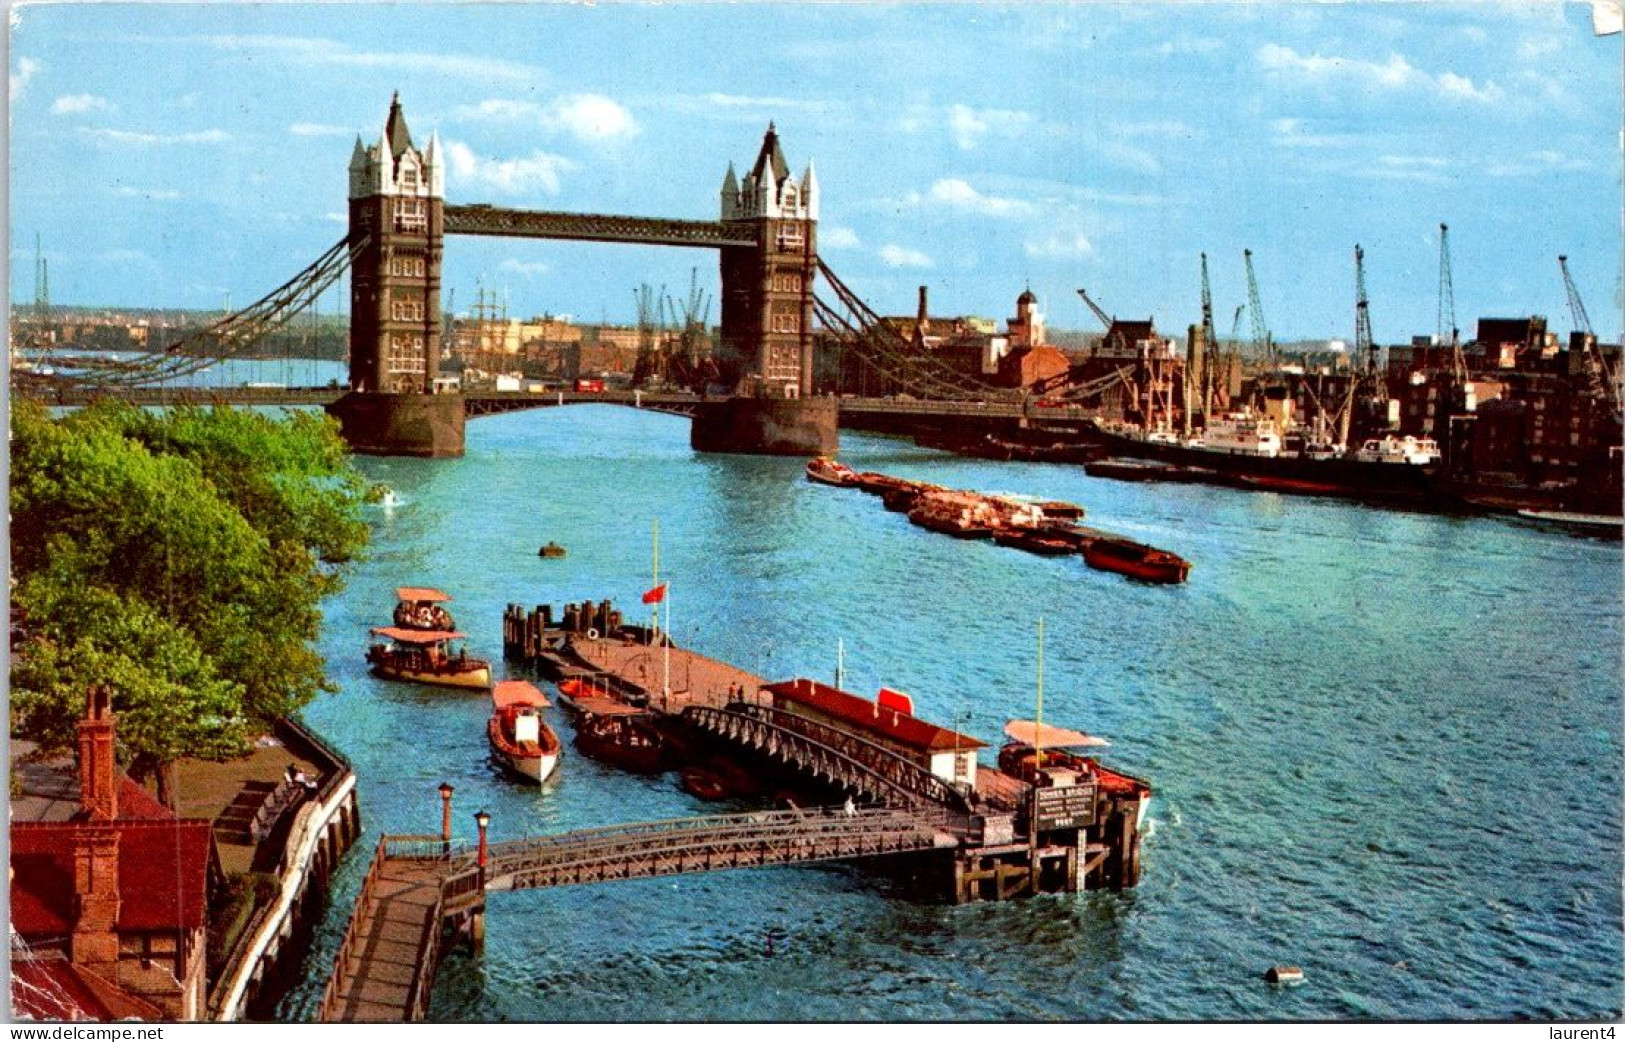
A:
[767,288]
[397,194]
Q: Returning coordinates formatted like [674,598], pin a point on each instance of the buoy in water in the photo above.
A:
[551,550]
[1283,975]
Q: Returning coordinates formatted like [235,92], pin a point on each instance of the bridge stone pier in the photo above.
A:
[766,237]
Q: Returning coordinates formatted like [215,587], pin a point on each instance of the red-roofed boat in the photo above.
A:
[520,739]
[419,608]
[426,657]
[826,471]
[615,732]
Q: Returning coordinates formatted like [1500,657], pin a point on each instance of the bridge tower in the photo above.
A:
[766,345]
[397,225]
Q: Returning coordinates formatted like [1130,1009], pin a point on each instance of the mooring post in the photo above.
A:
[445,817]
[476,922]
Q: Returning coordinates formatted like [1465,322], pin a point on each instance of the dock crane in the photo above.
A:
[1447,308]
[1604,383]
[1214,351]
[1261,333]
[1363,345]
[1105,319]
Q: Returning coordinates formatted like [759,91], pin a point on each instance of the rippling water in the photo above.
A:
[1386,746]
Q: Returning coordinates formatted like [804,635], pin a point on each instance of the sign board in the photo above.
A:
[1064,807]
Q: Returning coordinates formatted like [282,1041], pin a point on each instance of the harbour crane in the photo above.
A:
[1604,383]
[1210,341]
[1105,319]
[1577,308]
[1363,345]
[1447,308]
[1261,333]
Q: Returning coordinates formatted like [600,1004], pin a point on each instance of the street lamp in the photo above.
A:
[445,814]
[483,820]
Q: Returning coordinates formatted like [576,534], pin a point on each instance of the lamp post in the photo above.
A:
[483,820]
[445,816]
[476,926]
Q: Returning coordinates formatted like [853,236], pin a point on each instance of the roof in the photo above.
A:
[517,693]
[1024,731]
[770,158]
[405,636]
[1027,297]
[163,875]
[1130,330]
[400,139]
[865,715]
[49,987]
[608,707]
[421,594]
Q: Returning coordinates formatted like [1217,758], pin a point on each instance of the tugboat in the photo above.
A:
[519,739]
[419,608]
[551,550]
[826,471]
[1136,560]
[618,734]
[425,657]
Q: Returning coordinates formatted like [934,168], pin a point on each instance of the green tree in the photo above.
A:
[180,557]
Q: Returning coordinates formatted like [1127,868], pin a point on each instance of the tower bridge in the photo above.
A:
[766,236]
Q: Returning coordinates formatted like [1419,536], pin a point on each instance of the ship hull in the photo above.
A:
[1401,482]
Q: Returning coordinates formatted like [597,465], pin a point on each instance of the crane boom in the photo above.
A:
[1447,291]
[1363,345]
[1261,332]
[1208,333]
[1577,308]
[1105,319]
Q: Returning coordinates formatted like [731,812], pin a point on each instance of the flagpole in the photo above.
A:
[665,684]
[1038,730]
[654,626]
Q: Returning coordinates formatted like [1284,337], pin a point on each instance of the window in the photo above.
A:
[405,353]
[410,215]
[406,266]
[790,235]
[406,310]
[786,323]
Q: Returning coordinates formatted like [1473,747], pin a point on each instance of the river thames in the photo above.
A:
[1385,746]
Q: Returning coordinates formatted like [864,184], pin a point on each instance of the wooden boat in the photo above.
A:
[552,549]
[419,608]
[957,525]
[826,471]
[1037,541]
[1060,510]
[425,657]
[520,740]
[619,734]
[1610,526]
[1136,560]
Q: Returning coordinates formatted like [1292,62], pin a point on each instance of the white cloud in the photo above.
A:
[587,117]
[1394,74]
[20,77]
[529,268]
[125,191]
[739,101]
[133,137]
[836,237]
[1294,133]
[1156,128]
[1191,45]
[969,125]
[323,51]
[1553,160]
[320,130]
[73,104]
[1059,245]
[336,217]
[1420,162]
[537,172]
[903,257]
[591,117]
[1131,156]
[958,194]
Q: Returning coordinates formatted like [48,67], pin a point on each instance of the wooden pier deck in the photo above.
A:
[695,679]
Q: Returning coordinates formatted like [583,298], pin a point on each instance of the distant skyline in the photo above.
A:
[170,155]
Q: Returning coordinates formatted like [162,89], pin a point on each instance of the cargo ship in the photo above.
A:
[1249,453]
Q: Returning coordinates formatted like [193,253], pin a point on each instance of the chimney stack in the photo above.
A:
[98,773]
[923,320]
[96,899]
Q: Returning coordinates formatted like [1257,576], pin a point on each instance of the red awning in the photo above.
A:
[517,693]
[1025,731]
[404,636]
[421,594]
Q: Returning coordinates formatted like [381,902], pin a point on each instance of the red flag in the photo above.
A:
[656,595]
[896,701]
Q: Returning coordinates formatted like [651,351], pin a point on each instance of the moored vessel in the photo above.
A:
[618,734]
[520,740]
[426,657]
[419,608]
[826,471]
[1037,540]
[1136,560]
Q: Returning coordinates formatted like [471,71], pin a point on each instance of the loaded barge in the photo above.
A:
[1043,820]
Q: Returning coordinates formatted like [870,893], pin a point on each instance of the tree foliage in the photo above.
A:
[180,557]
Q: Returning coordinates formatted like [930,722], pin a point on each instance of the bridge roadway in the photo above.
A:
[385,966]
[858,412]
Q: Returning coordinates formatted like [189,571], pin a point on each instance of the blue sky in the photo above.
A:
[169,155]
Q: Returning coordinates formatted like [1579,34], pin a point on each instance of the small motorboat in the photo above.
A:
[619,734]
[552,549]
[419,608]
[520,740]
[426,657]
[1136,560]
[826,471]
